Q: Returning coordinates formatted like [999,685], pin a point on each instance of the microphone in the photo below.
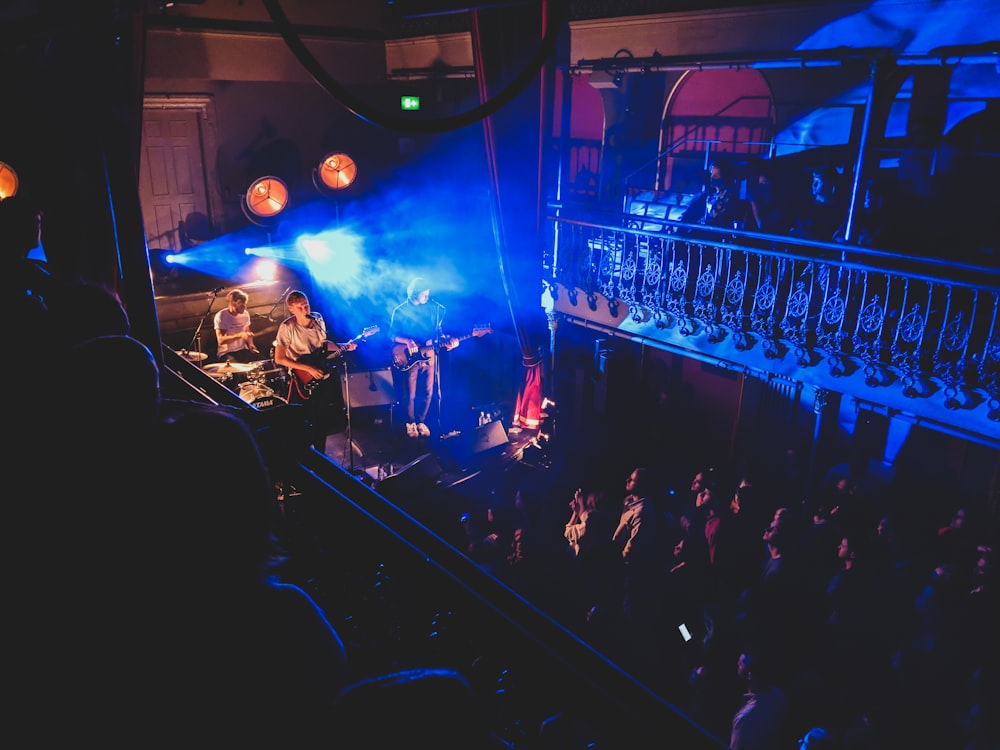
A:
[436,302]
[218,289]
[314,316]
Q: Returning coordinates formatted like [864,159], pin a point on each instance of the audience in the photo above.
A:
[718,205]
[819,214]
[262,658]
[835,607]
[759,723]
[766,206]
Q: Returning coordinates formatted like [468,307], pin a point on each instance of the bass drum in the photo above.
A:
[260,396]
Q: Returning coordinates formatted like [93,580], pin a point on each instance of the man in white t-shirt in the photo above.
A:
[303,347]
[232,330]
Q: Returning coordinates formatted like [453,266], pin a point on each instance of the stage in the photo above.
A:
[376,448]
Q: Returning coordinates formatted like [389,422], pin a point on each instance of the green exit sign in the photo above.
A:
[409,102]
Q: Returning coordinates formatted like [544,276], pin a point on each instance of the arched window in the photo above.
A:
[713,112]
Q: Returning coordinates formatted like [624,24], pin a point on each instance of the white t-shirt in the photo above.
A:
[300,340]
[228,324]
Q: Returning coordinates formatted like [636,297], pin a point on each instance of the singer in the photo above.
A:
[415,329]
[232,330]
[302,345]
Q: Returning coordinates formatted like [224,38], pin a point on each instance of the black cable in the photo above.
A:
[370,114]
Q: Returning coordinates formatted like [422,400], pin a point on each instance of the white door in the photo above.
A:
[173,179]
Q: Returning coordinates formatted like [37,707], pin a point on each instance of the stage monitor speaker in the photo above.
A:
[488,436]
[412,480]
[369,388]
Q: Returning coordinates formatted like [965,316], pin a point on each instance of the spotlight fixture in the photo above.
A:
[266,197]
[8,181]
[336,172]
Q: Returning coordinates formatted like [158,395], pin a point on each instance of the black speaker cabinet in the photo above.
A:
[488,436]
[368,388]
[414,479]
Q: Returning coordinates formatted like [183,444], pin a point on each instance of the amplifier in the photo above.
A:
[368,388]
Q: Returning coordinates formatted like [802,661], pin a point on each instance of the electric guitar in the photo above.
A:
[324,359]
[402,360]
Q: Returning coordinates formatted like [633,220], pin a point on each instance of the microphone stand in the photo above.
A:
[347,401]
[276,303]
[196,339]
[437,364]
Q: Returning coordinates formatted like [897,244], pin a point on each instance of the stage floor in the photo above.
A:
[379,449]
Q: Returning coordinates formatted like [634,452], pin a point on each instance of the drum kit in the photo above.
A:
[257,383]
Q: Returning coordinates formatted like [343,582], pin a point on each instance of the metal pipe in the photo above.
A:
[859,163]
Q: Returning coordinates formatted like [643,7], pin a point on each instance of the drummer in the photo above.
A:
[232,331]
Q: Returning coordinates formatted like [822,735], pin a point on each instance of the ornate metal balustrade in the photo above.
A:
[924,326]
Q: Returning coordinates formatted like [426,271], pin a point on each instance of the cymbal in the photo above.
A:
[192,356]
[228,368]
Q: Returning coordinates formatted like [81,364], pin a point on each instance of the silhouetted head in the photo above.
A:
[419,289]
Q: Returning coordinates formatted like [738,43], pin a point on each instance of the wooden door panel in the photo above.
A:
[172,177]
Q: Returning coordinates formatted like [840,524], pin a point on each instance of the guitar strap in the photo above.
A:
[295,386]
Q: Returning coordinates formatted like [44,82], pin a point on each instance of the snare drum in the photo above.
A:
[233,374]
[260,396]
[273,376]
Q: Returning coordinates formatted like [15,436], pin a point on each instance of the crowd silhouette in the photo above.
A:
[898,211]
[860,616]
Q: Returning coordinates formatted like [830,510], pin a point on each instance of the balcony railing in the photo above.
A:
[922,325]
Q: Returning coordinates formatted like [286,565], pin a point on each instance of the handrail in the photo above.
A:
[656,158]
[920,333]
[784,246]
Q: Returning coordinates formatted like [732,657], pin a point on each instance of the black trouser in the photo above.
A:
[324,408]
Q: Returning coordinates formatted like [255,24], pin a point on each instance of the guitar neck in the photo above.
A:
[440,342]
[329,354]
[475,333]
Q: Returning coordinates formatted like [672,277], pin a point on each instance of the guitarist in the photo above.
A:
[416,323]
[301,344]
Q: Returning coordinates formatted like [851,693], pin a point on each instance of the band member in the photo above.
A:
[232,330]
[302,345]
[415,329]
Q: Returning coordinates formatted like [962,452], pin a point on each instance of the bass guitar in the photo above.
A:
[325,359]
[402,360]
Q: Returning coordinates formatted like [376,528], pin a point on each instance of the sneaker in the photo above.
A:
[423,430]
[411,429]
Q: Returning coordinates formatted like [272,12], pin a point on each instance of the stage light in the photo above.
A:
[336,172]
[8,181]
[317,250]
[265,199]
[265,270]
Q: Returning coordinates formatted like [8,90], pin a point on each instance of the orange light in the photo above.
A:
[267,197]
[8,181]
[337,171]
